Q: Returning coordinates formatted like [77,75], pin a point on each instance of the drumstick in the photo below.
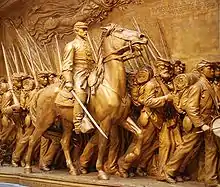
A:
[210,129]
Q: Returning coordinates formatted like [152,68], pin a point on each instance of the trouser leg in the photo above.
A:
[190,142]
[211,158]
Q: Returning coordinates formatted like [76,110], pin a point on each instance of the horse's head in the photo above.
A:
[119,40]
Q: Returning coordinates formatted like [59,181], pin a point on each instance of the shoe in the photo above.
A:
[179,179]
[44,167]
[23,163]
[169,179]
[83,170]
[14,164]
[186,178]
[141,172]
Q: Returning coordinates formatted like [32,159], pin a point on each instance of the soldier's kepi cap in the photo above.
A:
[178,62]
[164,62]
[217,64]
[17,76]
[80,24]
[42,74]
[26,76]
[205,63]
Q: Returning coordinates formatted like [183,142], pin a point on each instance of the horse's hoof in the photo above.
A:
[27,170]
[73,172]
[103,176]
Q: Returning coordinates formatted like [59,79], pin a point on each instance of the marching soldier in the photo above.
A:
[154,96]
[200,106]
[25,98]
[11,120]
[50,142]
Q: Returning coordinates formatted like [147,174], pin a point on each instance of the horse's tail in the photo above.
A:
[33,106]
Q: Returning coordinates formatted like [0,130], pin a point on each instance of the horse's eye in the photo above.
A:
[142,35]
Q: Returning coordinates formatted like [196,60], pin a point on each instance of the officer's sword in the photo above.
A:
[88,114]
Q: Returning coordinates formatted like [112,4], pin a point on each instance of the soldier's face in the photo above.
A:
[178,69]
[209,72]
[28,84]
[43,81]
[52,79]
[82,32]
[17,83]
[165,72]
[217,72]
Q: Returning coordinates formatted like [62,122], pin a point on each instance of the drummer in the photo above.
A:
[199,105]
[216,83]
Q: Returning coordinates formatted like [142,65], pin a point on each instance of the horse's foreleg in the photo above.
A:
[105,126]
[134,148]
[65,142]
[43,122]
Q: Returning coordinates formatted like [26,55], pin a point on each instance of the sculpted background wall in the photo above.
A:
[190,27]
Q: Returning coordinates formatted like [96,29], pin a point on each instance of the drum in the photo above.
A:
[216,126]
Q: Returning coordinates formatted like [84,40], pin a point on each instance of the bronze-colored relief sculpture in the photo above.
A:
[152,118]
[112,88]
[200,106]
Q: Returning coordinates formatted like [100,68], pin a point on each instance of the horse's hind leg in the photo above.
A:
[134,148]
[42,124]
[65,142]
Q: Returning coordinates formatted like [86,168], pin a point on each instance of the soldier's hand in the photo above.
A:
[77,129]
[169,97]
[205,128]
[16,107]
[69,86]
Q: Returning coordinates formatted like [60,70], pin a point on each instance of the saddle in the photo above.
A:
[65,98]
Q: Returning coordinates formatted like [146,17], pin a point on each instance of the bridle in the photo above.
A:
[131,47]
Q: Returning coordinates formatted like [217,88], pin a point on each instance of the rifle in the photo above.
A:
[15,99]
[59,55]
[33,69]
[147,48]
[164,42]
[22,62]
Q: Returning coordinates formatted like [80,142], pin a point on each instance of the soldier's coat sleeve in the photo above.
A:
[7,100]
[67,61]
[149,96]
[23,98]
[192,106]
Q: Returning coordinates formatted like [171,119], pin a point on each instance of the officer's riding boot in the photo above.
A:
[78,111]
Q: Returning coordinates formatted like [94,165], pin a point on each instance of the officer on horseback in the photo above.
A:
[77,64]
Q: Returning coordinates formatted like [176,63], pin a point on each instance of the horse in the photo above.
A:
[110,105]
